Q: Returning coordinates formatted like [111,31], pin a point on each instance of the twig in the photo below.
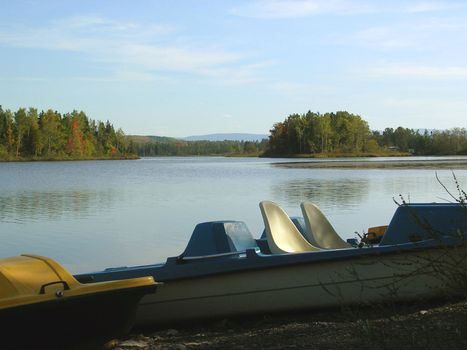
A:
[445,188]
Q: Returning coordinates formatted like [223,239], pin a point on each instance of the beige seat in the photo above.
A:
[281,233]
[319,230]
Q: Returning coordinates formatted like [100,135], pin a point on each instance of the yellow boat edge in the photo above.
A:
[29,279]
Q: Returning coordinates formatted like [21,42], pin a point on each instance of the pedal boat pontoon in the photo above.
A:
[224,272]
[43,304]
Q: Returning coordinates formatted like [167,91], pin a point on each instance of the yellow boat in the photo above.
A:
[41,302]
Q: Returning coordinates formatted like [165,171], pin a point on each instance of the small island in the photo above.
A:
[343,134]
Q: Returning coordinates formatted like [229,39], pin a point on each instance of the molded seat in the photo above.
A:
[281,233]
[297,221]
[319,230]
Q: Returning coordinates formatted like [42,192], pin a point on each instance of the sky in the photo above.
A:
[179,68]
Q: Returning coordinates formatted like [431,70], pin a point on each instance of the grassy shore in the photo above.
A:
[434,325]
[67,158]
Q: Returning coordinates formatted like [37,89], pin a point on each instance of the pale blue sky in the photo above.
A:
[181,68]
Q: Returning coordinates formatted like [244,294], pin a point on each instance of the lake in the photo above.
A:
[95,214]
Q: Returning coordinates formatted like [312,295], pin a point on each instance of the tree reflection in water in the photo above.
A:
[25,207]
[335,193]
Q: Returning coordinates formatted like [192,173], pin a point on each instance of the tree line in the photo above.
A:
[436,142]
[30,134]
[197,148]
[346,133]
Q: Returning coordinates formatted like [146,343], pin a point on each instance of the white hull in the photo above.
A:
[400,276]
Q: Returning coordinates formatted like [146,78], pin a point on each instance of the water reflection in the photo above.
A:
[332,193]
[33,206]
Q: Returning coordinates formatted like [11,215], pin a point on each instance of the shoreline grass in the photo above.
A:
[453,164]
[340,155]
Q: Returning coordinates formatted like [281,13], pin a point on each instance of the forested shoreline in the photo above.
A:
[343,133]
[28,134]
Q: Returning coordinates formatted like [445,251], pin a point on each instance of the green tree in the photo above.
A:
[33,140]
[323,131]
[53,135]
[6,130]
[21,127]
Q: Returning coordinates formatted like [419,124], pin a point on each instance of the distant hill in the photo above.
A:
[149,139]
[230,137]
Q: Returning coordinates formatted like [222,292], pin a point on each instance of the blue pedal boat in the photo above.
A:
[225,272]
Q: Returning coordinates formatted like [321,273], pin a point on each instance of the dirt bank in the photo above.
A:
[440,325]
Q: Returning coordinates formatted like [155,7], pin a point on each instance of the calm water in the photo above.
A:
[96,214]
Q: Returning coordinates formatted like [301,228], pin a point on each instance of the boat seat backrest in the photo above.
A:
[297,221]
[319,230]
[281,233]
[219,237]
[416,222]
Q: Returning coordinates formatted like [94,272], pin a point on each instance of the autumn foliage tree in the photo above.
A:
[49,134]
